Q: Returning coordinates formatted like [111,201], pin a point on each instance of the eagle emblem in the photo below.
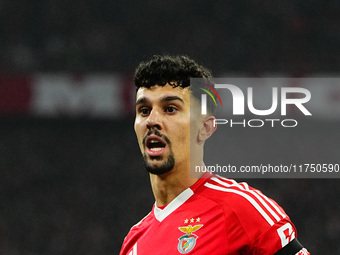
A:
[188,241]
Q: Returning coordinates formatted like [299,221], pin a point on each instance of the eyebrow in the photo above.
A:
[142,101]
[162,100]
[171,98]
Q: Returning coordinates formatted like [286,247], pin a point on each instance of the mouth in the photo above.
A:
[155,145]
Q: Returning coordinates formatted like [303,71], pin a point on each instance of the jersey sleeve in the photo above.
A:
[129,246]
[260,219]
[281,238]
[278,236]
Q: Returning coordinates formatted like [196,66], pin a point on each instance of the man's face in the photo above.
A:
[162,126]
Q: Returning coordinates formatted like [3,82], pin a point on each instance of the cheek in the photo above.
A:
[138,126]
[183,146]
[184,138]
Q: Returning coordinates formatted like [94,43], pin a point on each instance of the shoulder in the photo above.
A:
[252,212]
[243,200]
[136,232]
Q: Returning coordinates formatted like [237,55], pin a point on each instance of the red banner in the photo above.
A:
[15,94]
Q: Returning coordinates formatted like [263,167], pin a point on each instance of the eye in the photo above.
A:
[144,111]
[171,109]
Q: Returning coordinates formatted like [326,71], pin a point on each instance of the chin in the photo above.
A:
[160,167]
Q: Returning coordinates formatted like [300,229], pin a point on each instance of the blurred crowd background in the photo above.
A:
[76,185]
[233,35]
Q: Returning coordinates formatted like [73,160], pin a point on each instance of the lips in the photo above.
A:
[155,145]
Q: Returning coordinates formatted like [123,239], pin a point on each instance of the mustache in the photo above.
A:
[157,133]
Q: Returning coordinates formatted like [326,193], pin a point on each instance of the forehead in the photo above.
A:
[157,92]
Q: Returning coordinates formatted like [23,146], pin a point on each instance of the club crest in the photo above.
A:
[187,242]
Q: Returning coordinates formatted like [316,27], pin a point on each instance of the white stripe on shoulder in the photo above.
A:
[246,196]
[262,198]
[134,250]
[277,209]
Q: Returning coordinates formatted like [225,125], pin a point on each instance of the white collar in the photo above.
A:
[177,202]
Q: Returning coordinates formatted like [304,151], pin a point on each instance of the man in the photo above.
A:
[194,214]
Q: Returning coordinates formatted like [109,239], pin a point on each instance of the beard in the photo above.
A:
[163,168]
[159,168]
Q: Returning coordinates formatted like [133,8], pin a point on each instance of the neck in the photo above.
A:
[168,186]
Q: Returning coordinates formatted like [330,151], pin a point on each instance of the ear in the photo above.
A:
[208,128]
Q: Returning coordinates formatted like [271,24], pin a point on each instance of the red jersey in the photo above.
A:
[215,216]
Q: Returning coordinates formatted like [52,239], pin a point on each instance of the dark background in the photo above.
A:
[228,36]
[76,186]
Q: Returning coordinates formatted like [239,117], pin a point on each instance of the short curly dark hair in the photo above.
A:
[174,70]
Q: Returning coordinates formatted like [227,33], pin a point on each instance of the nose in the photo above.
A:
[154,120]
